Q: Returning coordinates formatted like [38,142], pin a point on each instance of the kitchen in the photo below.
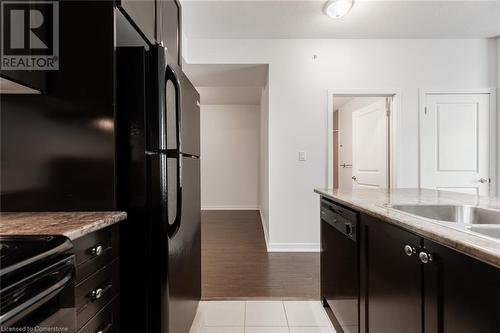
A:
[108,150]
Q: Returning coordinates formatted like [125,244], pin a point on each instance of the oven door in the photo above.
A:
[41,299]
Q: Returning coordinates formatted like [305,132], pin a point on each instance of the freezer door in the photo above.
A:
[155,115]
[184,261]
[182,112]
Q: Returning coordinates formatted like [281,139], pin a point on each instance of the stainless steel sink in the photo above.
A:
[453,213]
[493,232]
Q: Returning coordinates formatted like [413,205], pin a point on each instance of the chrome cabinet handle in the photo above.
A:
[99,292]
[409,251]
[483,180]
[96,251]
[96,294]
[425,257]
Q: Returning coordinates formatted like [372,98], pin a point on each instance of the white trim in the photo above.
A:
[293,247]
[393,130]
[493,127]
[230,208]
[266,236]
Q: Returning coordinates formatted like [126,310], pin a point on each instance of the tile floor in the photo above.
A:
[261,317]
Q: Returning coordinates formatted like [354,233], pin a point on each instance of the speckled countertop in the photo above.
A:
[70,224]
[374,202]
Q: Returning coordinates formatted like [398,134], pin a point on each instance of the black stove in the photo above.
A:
[21,251]
[36,283]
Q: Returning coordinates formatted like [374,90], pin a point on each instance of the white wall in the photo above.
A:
[230,156]
[264,162]
[345,136]
[298,85]
[498,115]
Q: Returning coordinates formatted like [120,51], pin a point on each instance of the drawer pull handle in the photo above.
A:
[105,329]
[425,257]
[96,294]
[96,251]
[99,292]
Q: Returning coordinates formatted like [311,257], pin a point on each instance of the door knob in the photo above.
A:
[483,180]
[354,178]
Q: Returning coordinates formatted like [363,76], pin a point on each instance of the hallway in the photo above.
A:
[236,264]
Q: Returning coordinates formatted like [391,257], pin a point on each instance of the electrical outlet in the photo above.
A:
[302,156]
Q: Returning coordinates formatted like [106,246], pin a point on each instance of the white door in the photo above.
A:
[455,143]
[370,146]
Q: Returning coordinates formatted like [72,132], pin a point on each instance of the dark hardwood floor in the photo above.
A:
[236,264]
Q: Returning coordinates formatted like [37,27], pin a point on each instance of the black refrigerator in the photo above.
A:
[158,135]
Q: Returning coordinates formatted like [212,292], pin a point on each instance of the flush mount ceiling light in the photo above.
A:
[338,8]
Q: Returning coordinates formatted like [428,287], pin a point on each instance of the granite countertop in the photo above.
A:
[70,224]
[374,202]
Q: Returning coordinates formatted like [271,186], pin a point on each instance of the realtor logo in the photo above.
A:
[30,35]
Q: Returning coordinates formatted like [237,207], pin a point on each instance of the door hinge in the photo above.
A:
[425,110]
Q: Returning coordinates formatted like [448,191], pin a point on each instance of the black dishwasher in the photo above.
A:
[340,266]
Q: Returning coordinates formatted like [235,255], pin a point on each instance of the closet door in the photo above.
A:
[455,143]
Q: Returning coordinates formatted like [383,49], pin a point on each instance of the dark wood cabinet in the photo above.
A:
[98,281]
[169,27]
[411,284]
[159,21]
[391,280]
[462,294]
[142,13]
[31,79]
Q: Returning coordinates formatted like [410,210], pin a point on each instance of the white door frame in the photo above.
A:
[493,126]
[393,127]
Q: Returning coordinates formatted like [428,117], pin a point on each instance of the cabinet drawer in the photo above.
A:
[106,321]
[95,250]
[96,291]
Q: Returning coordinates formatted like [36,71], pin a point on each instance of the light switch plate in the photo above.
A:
[302,156]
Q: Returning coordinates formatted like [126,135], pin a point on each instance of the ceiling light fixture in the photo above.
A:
[338,8]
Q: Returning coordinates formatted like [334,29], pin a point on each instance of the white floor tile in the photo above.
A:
[265,313]
[222,329]
[197,322]
[266,330]
[222,313]
[312,330]
[306,313]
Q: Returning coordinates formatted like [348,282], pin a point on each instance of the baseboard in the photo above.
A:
[229,208]
[293,247]
[266,236]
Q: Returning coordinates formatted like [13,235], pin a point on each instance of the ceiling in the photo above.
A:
[239,84]
[261,19]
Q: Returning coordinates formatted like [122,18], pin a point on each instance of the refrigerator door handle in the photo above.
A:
[171,76]
[174,227]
